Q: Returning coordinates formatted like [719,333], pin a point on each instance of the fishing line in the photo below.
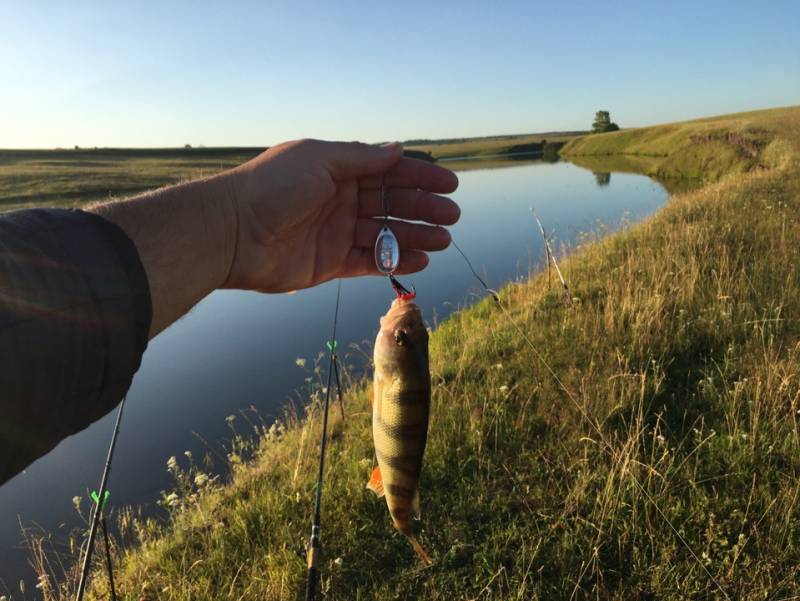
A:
[312,575]
[98,511]
[475,273]
[594,426]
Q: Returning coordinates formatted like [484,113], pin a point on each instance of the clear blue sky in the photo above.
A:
[224,73]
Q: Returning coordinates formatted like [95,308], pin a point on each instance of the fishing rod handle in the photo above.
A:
[312,578]
[312,575]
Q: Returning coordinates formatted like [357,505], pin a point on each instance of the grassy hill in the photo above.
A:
[702,149]
[641,443]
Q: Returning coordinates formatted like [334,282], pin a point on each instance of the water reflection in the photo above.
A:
[602,179]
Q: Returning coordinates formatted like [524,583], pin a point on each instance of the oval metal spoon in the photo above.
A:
[387,251]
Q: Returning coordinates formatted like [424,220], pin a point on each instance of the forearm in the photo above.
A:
[186,238]
[74,317]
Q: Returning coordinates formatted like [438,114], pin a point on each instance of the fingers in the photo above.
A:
[415,236]
[406,203]
[361,261]
[414,173]
[351,160]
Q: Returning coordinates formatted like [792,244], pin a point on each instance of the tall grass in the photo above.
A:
[667,450]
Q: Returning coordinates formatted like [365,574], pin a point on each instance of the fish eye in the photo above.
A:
[400,337]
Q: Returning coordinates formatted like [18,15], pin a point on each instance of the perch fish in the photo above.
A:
[401,396]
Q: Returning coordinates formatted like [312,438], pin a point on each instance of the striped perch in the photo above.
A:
[401,396]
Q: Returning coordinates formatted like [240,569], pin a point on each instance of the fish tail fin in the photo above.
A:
[375,483]
[418,549]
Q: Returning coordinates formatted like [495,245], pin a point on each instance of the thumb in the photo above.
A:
[349,160]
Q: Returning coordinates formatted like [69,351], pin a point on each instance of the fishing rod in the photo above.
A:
[549,252]
[608,448]
[314,545]
[108,559]
[98,512]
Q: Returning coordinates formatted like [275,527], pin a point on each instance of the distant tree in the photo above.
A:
[77,147]
[187,145]
[603,123]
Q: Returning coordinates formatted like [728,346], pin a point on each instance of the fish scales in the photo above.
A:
[401,406]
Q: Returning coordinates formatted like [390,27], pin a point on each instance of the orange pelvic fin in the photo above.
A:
[375,483]
[419,550]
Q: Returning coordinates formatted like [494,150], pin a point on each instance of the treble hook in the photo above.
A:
[401,291]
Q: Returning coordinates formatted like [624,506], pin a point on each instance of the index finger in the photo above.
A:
[414,173]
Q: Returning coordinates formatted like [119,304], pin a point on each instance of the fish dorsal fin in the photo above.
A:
[415,510]
[375,483]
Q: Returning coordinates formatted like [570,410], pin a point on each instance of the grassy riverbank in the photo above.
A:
[648,449]
[702,149]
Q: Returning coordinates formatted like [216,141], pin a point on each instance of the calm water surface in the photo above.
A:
[238,349]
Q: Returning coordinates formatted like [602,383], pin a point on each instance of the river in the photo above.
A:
[240,349]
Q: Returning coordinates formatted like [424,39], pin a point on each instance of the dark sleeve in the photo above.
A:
[74,319]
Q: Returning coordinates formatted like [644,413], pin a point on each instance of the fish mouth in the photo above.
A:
[403,322]
[405,310]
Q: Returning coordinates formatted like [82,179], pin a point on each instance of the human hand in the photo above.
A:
[310,211]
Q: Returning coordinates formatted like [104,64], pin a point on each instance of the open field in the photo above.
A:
[496,145]
[641,443]
[75,177]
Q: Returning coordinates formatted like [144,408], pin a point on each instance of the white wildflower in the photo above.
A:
[173,500]
[503,388]
[300,362]
[172,463]
[200,479]
[338,561]
[43,583]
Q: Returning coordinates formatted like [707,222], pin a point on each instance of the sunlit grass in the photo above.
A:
[703,148]
[681,354]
